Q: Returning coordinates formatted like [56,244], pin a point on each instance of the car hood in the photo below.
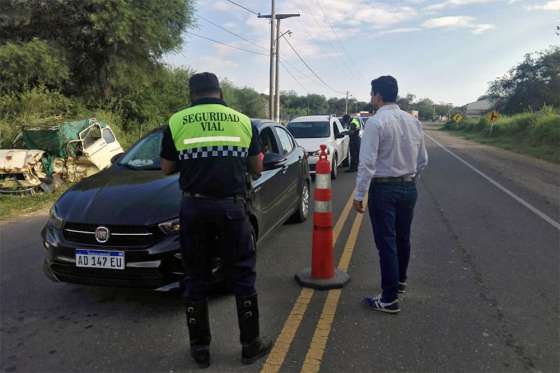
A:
[312,145]
[118,196]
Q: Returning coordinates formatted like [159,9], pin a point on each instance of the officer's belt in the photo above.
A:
[206,196]
[398,179]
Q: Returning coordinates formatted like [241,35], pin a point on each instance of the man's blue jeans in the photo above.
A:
[391,209]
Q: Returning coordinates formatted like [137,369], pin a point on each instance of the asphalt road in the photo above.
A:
[483,290]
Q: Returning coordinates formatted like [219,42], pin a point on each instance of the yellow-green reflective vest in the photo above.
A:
[357,123]
[210,130]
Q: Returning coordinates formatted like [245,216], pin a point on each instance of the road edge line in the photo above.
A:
[533,209]
[282,345]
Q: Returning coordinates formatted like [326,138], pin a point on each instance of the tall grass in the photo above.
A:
[533,133]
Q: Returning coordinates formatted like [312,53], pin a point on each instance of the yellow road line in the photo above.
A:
[291,325]
[316,350]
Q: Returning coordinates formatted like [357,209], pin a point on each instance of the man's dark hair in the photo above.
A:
[346,118]
[386,87]
[204,84]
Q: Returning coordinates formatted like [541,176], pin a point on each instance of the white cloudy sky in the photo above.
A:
[447,50]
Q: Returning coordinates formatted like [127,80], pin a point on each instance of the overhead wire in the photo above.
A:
[336,50]
[248,51]
[346,54]
[243,7]
[226,45]
[293,76]
[310,68]
[252,42]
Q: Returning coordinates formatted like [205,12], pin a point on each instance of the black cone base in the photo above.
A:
[338,281]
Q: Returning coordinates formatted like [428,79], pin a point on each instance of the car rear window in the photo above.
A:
[309,130]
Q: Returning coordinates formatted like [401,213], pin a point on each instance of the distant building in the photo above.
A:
[479,108]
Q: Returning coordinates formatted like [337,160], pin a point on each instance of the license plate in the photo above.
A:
[100,259]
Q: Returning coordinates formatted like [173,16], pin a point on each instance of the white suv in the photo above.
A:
[314,130]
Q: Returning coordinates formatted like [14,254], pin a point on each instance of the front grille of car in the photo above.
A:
[120,235]
[131,277]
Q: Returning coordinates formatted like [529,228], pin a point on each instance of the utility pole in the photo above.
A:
[277,86]
[346,109]
[274,95]
[271,101]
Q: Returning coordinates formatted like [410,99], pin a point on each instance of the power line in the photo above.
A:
[346,54]
[248,51]
[243,7]
[293,76]
[335,49]
[252,42]
[311,69]
[226,45]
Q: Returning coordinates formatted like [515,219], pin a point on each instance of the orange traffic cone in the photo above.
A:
[322,275]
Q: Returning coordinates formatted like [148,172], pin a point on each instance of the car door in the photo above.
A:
[100,146]
[267,192]
[341,142]
[292,169]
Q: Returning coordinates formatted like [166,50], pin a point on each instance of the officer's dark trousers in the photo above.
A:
[355,142]
[213,228]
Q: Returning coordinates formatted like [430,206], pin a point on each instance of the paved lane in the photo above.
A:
[484,292]
[484,285]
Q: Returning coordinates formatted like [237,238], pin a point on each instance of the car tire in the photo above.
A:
[334,167]
[302,211]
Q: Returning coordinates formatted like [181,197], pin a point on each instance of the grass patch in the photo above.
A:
[536,134]
[11,206]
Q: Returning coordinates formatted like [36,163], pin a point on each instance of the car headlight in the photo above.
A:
[172,226]
[54,218]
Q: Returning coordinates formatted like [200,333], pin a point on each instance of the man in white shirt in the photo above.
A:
[391,156]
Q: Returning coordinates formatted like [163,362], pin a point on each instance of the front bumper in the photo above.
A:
[155,267]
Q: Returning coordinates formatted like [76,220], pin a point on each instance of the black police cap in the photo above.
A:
[204,83]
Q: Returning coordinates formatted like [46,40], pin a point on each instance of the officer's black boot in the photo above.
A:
[253,347]
[199,332]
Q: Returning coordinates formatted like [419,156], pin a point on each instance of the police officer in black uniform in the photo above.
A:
[354,127]
[213,147]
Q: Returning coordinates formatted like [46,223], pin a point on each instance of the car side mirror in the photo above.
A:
[116,158]
[273,161]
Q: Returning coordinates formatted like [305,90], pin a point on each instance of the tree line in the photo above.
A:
[104,57]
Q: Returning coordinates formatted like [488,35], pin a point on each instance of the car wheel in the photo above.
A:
[334,167]
[302,211]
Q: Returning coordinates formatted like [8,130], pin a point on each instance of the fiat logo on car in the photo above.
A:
[102,234]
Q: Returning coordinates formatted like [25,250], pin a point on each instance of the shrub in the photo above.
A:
[25,65]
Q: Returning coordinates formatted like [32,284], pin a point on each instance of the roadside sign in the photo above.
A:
[494,116]
[457,117]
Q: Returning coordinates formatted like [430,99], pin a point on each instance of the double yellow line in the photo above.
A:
[317,347]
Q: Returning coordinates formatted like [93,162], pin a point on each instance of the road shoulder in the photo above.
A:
[535,175]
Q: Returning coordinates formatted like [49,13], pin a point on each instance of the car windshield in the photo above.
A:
[309,130]
[145,154]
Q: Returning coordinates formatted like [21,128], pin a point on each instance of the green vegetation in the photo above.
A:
[530,85]
[533,133]
[11,206]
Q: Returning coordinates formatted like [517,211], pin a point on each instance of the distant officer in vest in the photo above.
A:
[213,147]
[354,129]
